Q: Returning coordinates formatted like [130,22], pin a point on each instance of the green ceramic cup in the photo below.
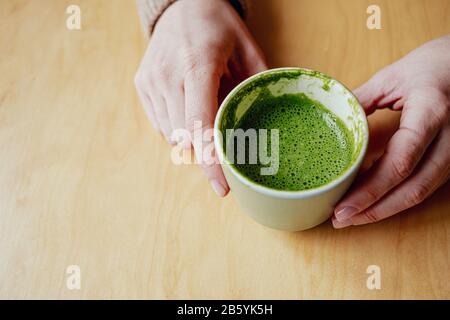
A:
[291,210]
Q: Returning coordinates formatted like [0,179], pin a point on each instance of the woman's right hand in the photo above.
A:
[197,47]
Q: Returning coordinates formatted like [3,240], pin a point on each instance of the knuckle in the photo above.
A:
[403,166]
[198,62]
[197,120]
[417,134]
[199,72]
[437,166]
[371,216]
[143,81]
[139,79]
[190,122]
[208,163]
[417,194]
[191,57]
[162,72]
[371,195]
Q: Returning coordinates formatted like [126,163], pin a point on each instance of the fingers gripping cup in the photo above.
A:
[290,142]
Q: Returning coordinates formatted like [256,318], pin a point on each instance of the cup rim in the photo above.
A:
[286,194]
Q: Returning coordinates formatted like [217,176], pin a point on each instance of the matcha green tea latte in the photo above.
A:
[315,146]
[290,142]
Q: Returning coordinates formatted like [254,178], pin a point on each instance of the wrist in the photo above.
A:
[150,11]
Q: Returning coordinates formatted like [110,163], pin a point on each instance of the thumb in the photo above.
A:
[367,95]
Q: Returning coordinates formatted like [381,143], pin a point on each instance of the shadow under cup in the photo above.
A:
[291,210]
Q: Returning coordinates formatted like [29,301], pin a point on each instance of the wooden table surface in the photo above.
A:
[85,181]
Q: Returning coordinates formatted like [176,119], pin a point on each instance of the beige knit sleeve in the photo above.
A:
[150,11]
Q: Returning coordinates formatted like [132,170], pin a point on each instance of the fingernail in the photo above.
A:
[341,224]
[218,188]
[345,213]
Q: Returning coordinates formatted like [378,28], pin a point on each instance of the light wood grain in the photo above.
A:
[84,180]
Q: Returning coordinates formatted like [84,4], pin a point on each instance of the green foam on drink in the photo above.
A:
[315,147]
